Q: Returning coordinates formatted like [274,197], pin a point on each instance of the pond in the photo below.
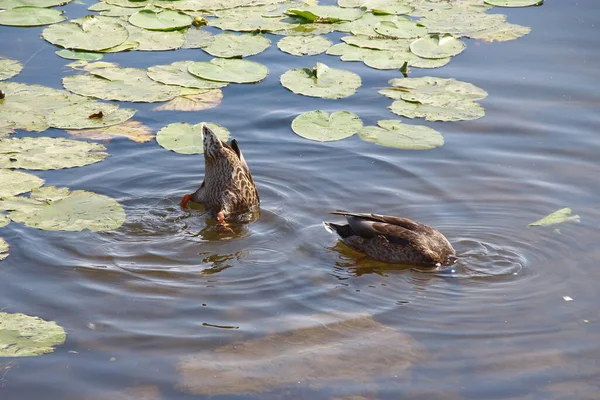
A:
[168,307]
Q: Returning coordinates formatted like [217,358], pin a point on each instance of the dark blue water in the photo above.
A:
[140,304]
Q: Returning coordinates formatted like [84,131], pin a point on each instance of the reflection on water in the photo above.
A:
[149,308]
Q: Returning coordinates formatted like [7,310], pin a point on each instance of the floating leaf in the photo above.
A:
[79,55]
[24,336]
[304,45]
[91,114]
[123,84]
[30,16]
[514,3]
[366,24]
[91,33]
[409,88]
[3,252]
[132,130]
[378,43]
[379,6]
[380,59]
[9,68]
[557,217]
[230,45]
[166,20]
[45,153]
[125,46]
[321,126]
[196,38]
[392,133]
[436,46]
[7,4]
[321,81]
[177,74]
[111,10]
[400,29]
[57,209]
[155,40]
[13,183]
[229,70]
[252,23]
[185,138]
[327,14]
[454,110]
[458,22]
[350,53]
[501,33]
[198,101]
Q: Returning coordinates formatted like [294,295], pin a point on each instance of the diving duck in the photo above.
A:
[228,188]
[393,239]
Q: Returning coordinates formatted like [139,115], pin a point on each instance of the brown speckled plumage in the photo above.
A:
[393,239]
[228,186]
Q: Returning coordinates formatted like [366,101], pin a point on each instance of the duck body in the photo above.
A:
[393,239]
[228,188]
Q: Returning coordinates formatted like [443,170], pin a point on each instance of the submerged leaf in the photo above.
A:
[393,133]
[202,99]
[132,130]
[30,16]
[228,45]
[24,336]
[304,45]
[320,126]
[321,81]
[229,70]
[57,209]
[436,46]
[13,183]
[9,68]
[45,153]
[185,138]
[166,20]
[557,217]
[91,33]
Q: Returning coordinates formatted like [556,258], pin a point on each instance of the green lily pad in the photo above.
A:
[557,217]
[350,53]
[379,6]
[166,20]
[30,16]
[229,70]
[13,183]
[321,81]
[454,110]
[392,133]
[122,84]
[228,45]
[326,14]
[91,33]
[4,220]
[514,3]
[91,114]
[57,209]
[177,74]
[378,43]
[24,336]
[155,40]
[45,153]
[252,23]
[185,138]
[366,24]
[9,68]
[458,22]
[380,59]
[401,29]
[321,126]
[501,33]
[304,45]
[8,4]
[111,10]
[197,100]
[125,46]
[436,46]
[79,55]
[3,248]
[196,38]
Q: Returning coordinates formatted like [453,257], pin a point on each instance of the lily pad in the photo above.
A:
[304,45]
[45,153]
[166,20]
[366,24]
[557,217]
[122,84]
[9,68]
[24,336]
[4,220]
[454,110]
[379,6]
[196,100]
[111,10]
[196,38]
[501,33]
[132,130]
[91,33]
[229,70]
[321,126]
[436,46]
[326,14]
[79,55]
[350,53]
[8,4]
[91,114]
[57,209]
[392,133]
[401,29]
[13,183]
[228,45]
[30,16]
[155,40]
[514,3]
[457,22]
[3,246]
[177,74]
[412,89]
[378,43]
[185,138]
[380,59]
[252,23]
[321,81]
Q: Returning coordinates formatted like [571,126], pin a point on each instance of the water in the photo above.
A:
[165,289]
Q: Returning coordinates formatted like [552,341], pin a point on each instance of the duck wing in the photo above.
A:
[395,229]
[236,148]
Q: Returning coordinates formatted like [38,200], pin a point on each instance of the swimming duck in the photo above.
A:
[228,188]
[393,239]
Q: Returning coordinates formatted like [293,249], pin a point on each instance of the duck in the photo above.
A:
[393,239]
[228,188]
